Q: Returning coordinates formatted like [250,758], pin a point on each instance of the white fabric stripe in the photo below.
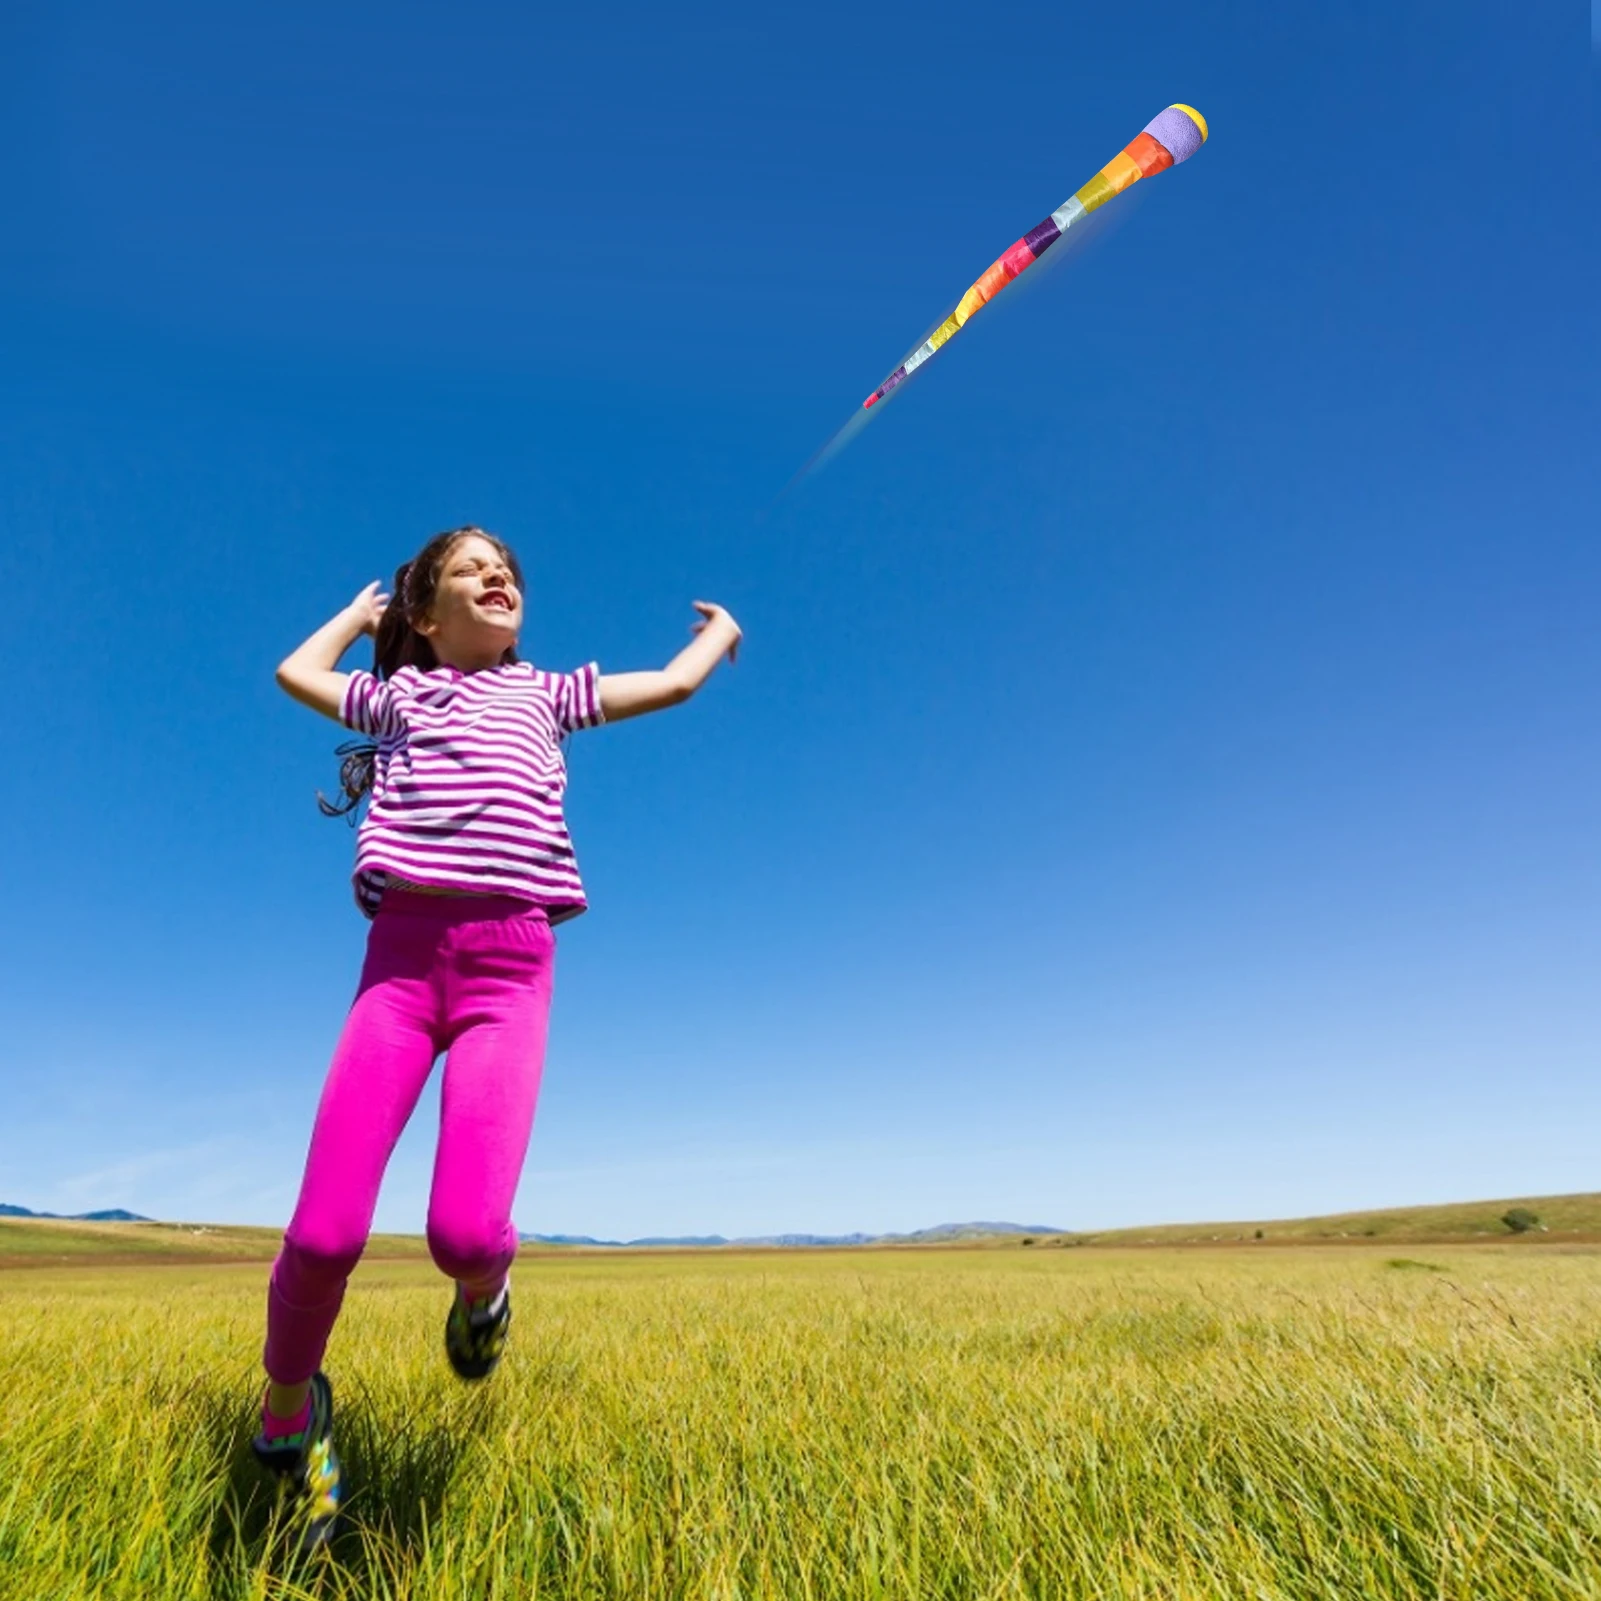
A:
[437,803]
[1068,213]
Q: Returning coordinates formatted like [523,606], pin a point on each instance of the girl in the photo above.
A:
[463,863]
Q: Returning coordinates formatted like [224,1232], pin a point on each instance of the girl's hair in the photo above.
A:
[398,644]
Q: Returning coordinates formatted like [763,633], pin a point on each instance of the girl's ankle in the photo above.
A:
[277,1427]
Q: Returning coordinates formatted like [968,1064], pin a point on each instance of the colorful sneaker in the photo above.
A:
[475,1333]
[308,1461]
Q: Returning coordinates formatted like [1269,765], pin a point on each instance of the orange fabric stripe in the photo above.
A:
[994,280]
[1120,172]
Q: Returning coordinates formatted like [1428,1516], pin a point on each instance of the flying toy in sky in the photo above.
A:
[1164,142]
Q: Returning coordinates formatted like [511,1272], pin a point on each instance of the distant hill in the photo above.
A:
[36,1241]
[943,1233]
[972,1231]
[684,1240]
[114,1215]
[1559,1217]
[116,1236]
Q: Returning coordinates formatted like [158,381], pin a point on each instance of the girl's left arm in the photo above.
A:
[631,694]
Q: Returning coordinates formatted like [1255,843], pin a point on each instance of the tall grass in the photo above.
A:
[1301,1425]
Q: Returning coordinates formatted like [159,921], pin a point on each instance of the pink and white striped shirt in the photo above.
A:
[468,781]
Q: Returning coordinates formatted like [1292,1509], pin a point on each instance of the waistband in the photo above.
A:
[451,909]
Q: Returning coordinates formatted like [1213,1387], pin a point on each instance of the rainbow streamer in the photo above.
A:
[1164,142]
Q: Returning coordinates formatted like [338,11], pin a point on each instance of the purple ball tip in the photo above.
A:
[1177,133]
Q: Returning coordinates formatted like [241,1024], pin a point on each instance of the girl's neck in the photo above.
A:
[465,662]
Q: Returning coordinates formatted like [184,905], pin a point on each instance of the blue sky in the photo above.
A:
[1161,780]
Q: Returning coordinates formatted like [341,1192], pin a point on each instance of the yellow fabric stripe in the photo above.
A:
[944,331]
[1095,193]
[969,303]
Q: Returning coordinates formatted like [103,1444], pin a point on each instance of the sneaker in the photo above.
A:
[308,1461]
[475,1333]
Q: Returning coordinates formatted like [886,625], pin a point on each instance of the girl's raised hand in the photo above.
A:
[716,619]
[367,609]
[630,694]
[311,673]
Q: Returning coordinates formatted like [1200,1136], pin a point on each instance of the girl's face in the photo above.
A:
[477,608]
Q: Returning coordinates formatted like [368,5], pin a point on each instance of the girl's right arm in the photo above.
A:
[310,673]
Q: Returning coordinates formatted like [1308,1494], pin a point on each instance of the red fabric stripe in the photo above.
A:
[1149,155]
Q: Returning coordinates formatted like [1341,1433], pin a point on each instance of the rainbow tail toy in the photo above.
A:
[1164,142]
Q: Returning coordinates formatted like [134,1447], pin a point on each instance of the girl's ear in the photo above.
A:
[426,626]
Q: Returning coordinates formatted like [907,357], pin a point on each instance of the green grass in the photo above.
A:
[1318,1423]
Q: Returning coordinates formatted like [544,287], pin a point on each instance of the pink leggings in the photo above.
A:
[467,975]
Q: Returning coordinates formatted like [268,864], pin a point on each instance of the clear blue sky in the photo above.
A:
[1162,779]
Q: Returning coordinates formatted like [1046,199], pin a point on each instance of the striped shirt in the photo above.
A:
[468,781]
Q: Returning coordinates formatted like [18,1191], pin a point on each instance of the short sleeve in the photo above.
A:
[577,697]
[371,705]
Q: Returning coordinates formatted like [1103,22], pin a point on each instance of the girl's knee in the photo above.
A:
[320,1259]
[472,1252]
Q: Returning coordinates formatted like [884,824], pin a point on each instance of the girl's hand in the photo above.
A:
[630,694]
[716,621]
[367,609]
[311,671]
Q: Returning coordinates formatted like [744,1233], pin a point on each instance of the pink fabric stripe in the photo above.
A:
[1018,257]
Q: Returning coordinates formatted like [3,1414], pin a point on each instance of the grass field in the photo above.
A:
[1325,1422]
